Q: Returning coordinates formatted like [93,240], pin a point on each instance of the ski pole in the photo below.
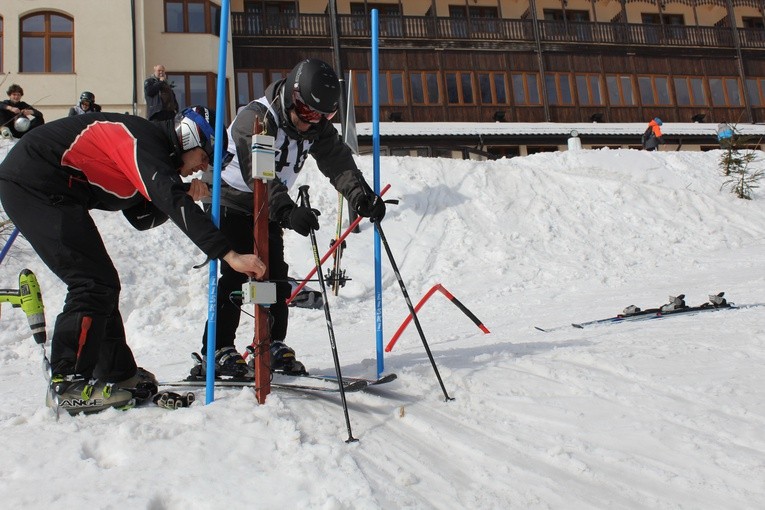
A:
[315,248]
[8,244]
[331,250]
[411,308]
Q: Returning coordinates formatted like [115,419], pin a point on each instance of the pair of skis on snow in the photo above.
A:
[675,307]
[289,382]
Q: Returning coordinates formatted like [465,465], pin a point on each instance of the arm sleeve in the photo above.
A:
[335,160]
[144,216]
[164,189]
[151,87]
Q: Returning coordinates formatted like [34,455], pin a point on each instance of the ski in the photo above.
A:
[676,307]
[229,383]
[333,378]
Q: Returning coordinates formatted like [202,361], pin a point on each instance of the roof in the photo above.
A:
[542,129]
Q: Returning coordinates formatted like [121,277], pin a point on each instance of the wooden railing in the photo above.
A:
[428,28]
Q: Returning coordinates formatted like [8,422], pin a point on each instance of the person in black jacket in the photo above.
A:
[50,181]
[17,115]
[87,104]
[296,111]
[161,103]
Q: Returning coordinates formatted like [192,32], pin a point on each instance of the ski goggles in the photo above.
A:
[306,113]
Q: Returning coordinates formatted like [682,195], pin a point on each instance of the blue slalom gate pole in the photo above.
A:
[8,244]
[220,125]
[376,169]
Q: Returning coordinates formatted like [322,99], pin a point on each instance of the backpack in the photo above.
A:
[646,135]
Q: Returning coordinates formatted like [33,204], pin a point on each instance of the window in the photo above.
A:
[690,91]
[750,22]
[193,88]
[459,88]
[589,89]
[725,92]
[481,19]
[47,43]
[620,91]
[424,88]
[192,16]
[389,17]
[755,90]
[654,90]
[493,87]
[525,89]
[392,88]
[362,88]
[559,89]
[250,85]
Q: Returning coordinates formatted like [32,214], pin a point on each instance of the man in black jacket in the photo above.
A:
[296,111]
[161,103]
[48,183]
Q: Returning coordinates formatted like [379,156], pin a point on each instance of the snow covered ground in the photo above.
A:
[656,415]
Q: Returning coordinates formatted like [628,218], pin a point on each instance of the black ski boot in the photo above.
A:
[228,363]
[283,360]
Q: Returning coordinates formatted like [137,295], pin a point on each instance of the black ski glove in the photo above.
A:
[371,206]
[303,219]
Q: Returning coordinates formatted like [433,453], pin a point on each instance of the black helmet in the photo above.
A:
[313,90]
[194,128]
[88,96]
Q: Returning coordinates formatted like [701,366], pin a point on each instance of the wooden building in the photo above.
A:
[562,61]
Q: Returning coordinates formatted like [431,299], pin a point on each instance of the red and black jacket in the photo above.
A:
[113,162]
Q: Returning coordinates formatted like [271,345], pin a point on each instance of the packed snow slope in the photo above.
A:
[660,414]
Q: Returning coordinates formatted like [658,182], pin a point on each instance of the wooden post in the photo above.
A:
[262,339]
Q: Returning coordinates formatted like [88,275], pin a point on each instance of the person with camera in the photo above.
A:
[161,103]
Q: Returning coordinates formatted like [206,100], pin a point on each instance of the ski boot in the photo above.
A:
[228,363]
[283,360]
[77,395]
[143,385]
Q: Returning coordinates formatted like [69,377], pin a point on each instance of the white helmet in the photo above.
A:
[21,124]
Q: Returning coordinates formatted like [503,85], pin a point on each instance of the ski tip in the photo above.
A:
[540,329]
[578,326]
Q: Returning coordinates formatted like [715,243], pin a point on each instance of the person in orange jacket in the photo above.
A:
[652,136]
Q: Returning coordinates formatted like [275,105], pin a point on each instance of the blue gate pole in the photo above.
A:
[220,125]
[376,168]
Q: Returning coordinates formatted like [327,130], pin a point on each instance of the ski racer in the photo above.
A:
[50,181]
[297,112]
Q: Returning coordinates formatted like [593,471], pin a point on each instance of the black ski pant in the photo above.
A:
[88,337]
[238,227]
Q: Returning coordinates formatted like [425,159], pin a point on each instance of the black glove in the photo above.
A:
[371,206]
[303,219]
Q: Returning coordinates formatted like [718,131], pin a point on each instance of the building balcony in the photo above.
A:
[429,31]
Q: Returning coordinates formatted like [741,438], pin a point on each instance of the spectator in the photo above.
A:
[652,136]
[725,135]
[160,98]
[17,115]
[87,104]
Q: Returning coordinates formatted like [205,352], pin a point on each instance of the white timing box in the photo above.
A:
[263,157]
[258,293]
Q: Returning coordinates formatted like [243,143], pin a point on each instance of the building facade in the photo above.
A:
[512,61]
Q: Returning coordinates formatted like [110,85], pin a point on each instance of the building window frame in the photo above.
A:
[654,90]
[621,90]
[425,88]
[526,90]
[725,91]
[57,37]
[194,88]
[589,89]
[559,89]
[459,88]
[190,22]
[494,84]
